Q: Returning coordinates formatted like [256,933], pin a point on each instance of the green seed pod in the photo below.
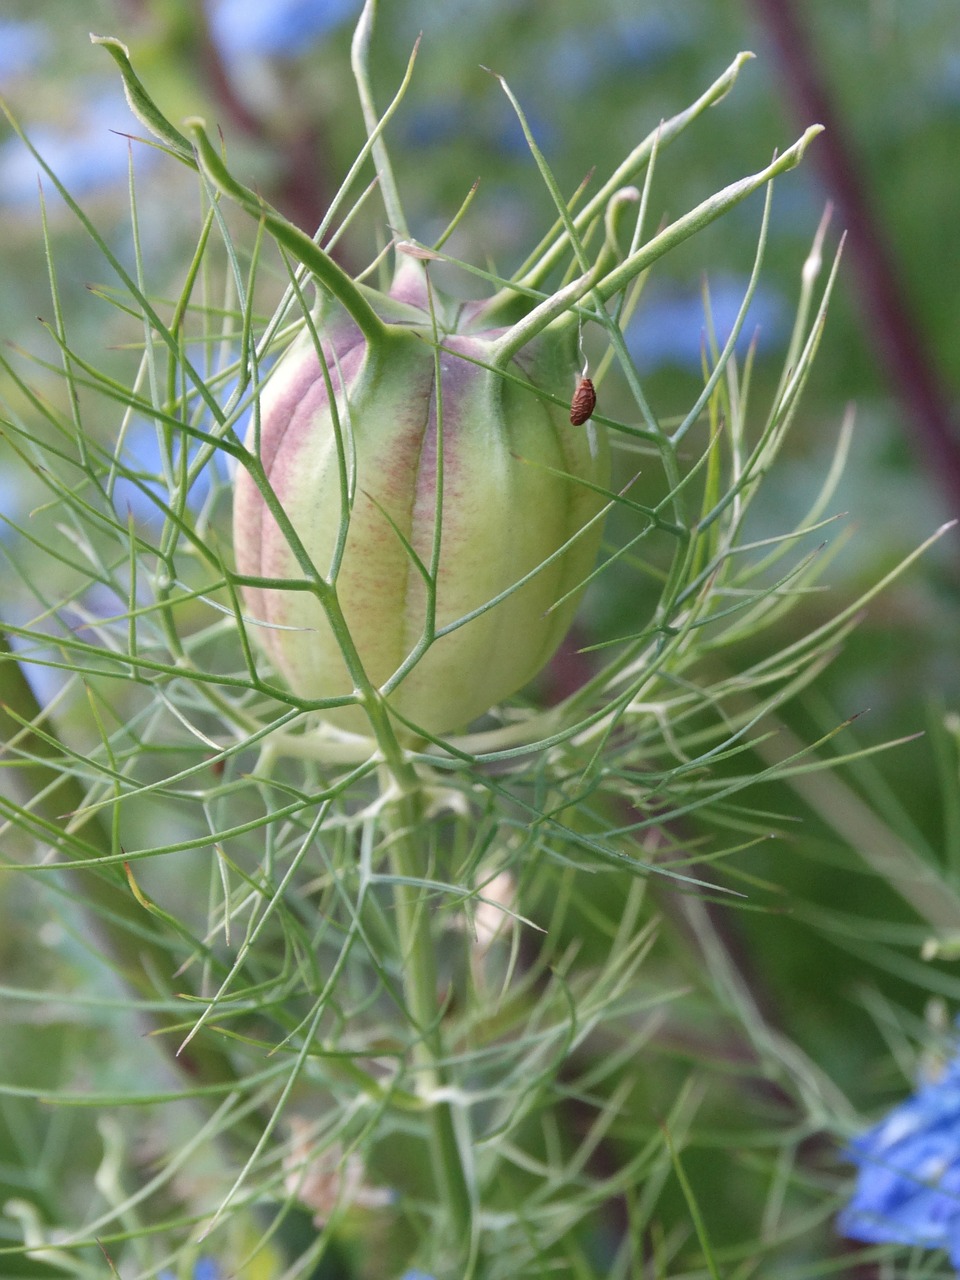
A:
[435,528]
[514,480]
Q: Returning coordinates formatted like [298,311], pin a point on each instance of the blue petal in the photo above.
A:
[21,47]
[908,1182]
[282,28]
[203,1269]
[669,330]
[589,53]
[88,156]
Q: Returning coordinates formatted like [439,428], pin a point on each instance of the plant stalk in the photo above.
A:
[420,984]
[404,818]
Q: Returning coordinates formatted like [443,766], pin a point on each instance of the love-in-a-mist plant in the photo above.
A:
[395,927]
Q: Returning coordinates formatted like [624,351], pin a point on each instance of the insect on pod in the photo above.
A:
[583,403]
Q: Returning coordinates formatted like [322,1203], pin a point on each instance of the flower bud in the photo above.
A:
[511,480]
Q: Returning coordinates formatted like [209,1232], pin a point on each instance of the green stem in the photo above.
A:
[555,308]
[417,950]
[561,311]
[360,57]
[706,212]
[303,248]
[404,818]
[534,273]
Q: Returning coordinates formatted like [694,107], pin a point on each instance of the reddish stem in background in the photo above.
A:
[895,334]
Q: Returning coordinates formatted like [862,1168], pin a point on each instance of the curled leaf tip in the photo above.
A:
[140,102]
[809,134]
[110,40]
[729,77]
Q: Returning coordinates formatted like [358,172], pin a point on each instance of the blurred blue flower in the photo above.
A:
[140,455]
[453,120]
[586,54]
[438,121]
[946,79]
[203,1269]
[12,498]
[86,156]
[509,139]
[580,56]
[908,1182]
[282,28]
[416,1275]
[670,327]
[21,47]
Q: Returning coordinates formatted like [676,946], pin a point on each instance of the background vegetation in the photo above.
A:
[830,957]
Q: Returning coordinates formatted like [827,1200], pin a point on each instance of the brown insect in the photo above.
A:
[583,403]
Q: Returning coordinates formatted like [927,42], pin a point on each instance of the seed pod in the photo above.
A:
[583,403]
[518,484]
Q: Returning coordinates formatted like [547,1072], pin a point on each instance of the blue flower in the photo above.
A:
[589,53]
[946,80]
[283,28]
[908,1183]
[203,1269]
[87,155]
[141,456]
[670,327]
[13,502]
[453,120]
[22,45]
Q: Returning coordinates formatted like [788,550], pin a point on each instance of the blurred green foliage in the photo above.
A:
[594,79]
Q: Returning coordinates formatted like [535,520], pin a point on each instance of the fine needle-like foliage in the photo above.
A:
[322,997]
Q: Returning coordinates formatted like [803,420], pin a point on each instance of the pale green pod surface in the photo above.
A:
[516,487]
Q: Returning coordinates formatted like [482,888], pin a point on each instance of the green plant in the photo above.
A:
[422,991]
